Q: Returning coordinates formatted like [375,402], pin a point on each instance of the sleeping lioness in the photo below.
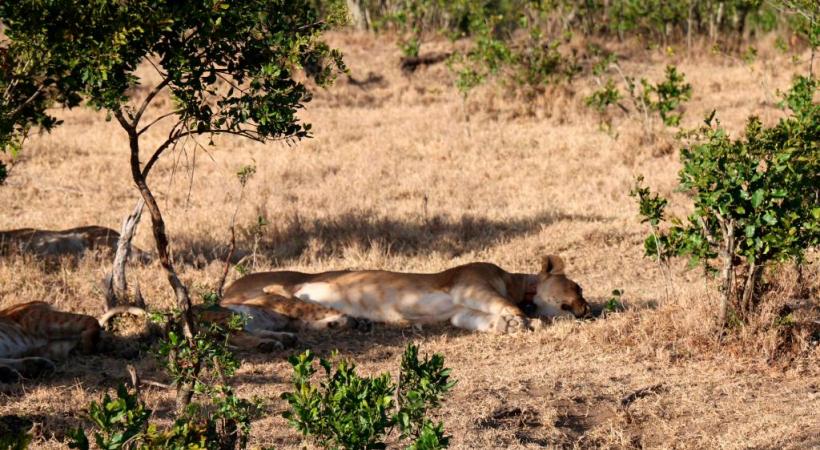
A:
[57,243]
[477,296]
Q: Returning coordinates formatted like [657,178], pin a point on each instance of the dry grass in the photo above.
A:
[396,179]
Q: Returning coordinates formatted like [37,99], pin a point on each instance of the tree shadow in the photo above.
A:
[384,342]
[293,238]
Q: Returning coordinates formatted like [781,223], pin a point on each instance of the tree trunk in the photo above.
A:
[118,286]
[689,29]
[185,387]
[718,21]
[357,10]
[749,289]
[727,278]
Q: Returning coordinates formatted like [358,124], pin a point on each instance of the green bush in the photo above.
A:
[221,422]
[661,21]
[664,98]
[349,411]
[755,199]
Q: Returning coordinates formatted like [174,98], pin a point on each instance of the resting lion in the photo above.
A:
[476,296]
[71,242]
[34,335]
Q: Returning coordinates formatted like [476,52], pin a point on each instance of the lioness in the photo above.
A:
[33,335]
[56,243]
[477,296]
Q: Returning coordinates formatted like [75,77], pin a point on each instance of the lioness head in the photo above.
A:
[556,295]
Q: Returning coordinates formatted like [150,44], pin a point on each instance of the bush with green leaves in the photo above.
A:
[524,62]
[349,411]
[122,423]
[663,22]
[615,302]
[664,98]
[756,200]
[221,421]
[15,435]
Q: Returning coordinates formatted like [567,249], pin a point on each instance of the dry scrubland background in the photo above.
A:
[395,178]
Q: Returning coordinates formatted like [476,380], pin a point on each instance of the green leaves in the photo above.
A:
[120,421]
[754,197]
[651,206]
[230,66]
[600,99]
[353,412]
[671,93]
[665,98]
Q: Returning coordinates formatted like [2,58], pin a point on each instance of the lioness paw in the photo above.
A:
[363,325]
[280,342]
[511,324]
[270,346]
[535,324]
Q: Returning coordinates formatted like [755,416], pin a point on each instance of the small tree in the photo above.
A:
[228,66]
[756,199]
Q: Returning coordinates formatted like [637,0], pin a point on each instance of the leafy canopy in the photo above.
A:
[230,66]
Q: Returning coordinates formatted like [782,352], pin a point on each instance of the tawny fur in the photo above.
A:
[33,334]
[477,296]
[56,243]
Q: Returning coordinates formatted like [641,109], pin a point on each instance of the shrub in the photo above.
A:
[526,65]
[222,422]
[755,199]
[615,303]
[664,98]
[353,412]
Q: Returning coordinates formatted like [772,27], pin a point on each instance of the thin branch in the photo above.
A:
[145,128]
[148,99]
[173,137]
[156,67]
[231,83]
[123,121]
[28,101]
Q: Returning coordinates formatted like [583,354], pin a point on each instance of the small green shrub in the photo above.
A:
[353,412]
[221,422]
[123,424]
[664,98]
[15,435]
[755,200]
[601,99]
[670,94]
[524,65]
[614,304]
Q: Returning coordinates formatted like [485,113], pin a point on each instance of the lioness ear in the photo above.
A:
[552,264]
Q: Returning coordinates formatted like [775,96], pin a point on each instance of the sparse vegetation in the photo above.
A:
[614,304]
[353,412]
[664,97]
[393,182]
[222,422]
[755,200]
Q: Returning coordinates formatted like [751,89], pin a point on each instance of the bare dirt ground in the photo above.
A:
[396,178]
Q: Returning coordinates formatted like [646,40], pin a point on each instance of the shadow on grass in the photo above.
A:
[293,238]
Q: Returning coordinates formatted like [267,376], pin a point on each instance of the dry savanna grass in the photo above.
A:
[397,178]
